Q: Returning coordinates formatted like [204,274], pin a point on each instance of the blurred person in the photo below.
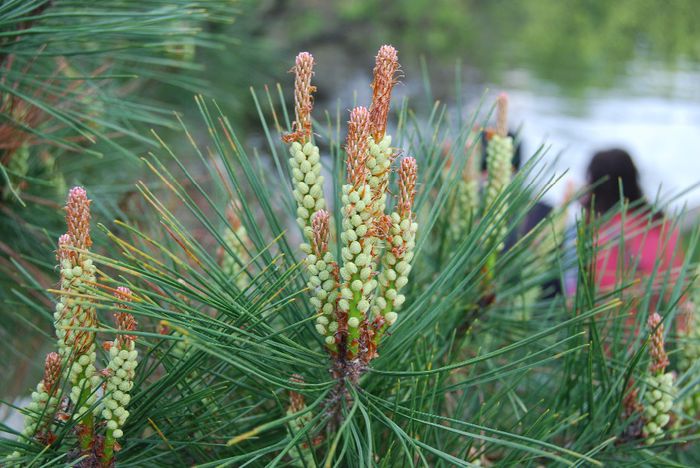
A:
[536,213]
[649,243]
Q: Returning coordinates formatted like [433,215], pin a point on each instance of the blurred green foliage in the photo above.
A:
[574,44]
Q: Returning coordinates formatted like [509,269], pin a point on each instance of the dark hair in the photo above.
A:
[613,172]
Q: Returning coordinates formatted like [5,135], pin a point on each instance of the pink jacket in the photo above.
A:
[649,246]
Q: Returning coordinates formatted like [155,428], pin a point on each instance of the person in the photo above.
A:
[536,213]
[634,238]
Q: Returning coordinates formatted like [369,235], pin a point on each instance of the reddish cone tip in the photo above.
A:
[502,115]
[320,225]
[78,218]
[385,69]
[357,146]
[408,173]
[303,101]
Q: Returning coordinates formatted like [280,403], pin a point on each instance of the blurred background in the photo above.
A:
[582,75]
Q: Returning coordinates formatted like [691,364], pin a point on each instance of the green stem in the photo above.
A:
[86,436]
[86,433]
[108,452]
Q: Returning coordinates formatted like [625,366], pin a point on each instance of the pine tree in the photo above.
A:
[362,335]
